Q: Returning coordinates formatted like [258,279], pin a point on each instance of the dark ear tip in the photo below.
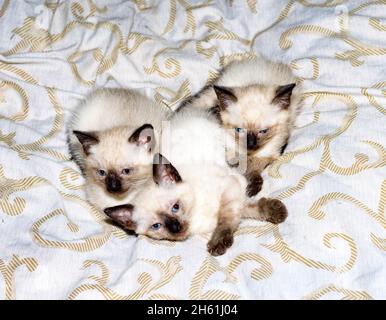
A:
[220,88]
[108,211]
[77,132]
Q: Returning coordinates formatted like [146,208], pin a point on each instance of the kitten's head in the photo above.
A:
[161,210]
[118,159]
[255,112]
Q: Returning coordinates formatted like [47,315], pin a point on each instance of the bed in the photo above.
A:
[332,177]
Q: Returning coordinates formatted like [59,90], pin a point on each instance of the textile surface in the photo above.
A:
[54,245]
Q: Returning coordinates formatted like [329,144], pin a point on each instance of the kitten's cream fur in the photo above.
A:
[247,95]
[107,138]
[208,194]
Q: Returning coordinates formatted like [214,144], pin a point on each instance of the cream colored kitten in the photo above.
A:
[197,192]
[259,99]
[112,137]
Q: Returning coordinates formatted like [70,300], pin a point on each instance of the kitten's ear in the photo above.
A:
[122,215]
[144,136]
[87,139]
[225,96]
[164,172]
[283,95]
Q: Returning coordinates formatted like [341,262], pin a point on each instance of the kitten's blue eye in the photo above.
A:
[156,226]
[238,130]
[264,131]
[101,172]
[175,208]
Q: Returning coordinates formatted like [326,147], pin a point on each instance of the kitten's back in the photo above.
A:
[107,108]
[255,71]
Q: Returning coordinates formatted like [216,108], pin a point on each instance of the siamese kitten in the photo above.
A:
[197,192]
[258,99]
[112,137]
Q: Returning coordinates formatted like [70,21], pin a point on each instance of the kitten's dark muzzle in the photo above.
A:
[113,184]
[173,225]
[252,141]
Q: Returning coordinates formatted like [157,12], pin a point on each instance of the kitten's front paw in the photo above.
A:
[255,183]
[220,242]
[273,210]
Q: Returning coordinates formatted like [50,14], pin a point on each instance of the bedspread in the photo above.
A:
[332,177]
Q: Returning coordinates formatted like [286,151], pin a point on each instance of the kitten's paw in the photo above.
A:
[220,242]
[255,183]
[273,210]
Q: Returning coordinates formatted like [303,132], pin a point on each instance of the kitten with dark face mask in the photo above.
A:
[197,192]
[112,137]
[258,99]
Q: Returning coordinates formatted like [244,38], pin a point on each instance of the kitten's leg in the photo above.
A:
[266,209]
[228,220]
[255,166]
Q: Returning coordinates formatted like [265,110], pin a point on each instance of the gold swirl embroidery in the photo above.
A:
[4,7]
[190,21]
[24,149]
[315,68]
[366,5]
[371,98]
[141,5]
[70,179]
[172,65]
[137,38]
[22,114]
[147,283]
[282,16]
[251,5]
[9,186]
[361,160]
[8,273]
[226,59]
[78,11]
[273,169]
[175,97]
[84,244]
[316,212]
[287,254]
[347,294]
[379,242]
[165,243]
[360,49]
[19,72]
[217,31]
[37,39]
[210,266]
[52,5]
[376,24]
[327,3]
[7,138]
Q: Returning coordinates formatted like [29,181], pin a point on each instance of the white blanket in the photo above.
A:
[54,245]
